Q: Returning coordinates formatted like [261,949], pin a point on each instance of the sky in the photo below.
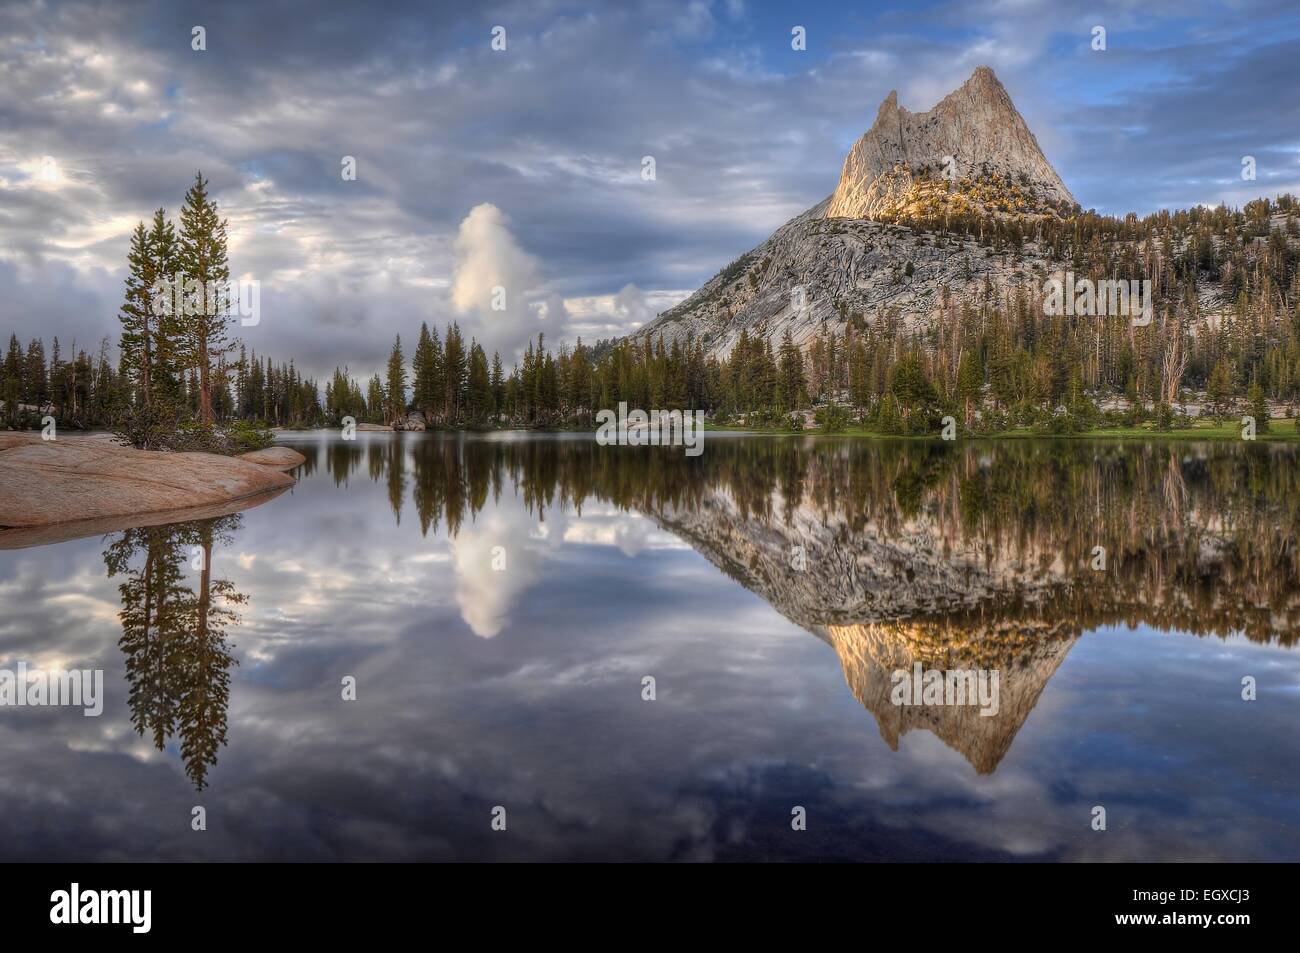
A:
[524,168]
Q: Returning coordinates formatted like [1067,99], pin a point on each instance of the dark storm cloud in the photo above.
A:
[744,132]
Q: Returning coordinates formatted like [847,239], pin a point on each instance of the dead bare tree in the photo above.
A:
[1176,357]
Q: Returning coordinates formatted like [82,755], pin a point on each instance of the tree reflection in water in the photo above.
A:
[174,638]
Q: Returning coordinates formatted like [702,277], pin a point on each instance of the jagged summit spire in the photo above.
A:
[983,86]
[974,135]
[888,105]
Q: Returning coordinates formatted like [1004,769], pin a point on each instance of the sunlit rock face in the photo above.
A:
[817,274]
[974,134]
[1024,654]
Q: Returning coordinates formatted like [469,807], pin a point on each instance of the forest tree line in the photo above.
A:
[994,361]
[88,391]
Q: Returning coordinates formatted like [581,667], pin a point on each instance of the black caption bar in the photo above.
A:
[228,902]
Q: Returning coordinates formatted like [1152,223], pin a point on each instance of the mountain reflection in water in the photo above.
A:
[969,556]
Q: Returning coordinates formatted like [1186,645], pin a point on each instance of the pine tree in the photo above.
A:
[548,388]
[165,369]
[479,386]
[1258,407]
[888,419]
[138,317]
[376,400]
[969,384]
[1219,390]
[455,372]
[11,380]
[790,378]
[395,407]
[426,395]
[913,390]
[35,380]
[57,375]
[498,384]
[203,262]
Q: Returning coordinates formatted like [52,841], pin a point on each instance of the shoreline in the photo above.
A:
[1227,432]
[1283,431]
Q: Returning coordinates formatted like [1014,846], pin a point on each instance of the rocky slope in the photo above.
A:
[816,274]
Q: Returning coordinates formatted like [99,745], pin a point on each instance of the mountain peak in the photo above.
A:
[845,263]
[972,152]
[983,87]
[888,105]
[983,76]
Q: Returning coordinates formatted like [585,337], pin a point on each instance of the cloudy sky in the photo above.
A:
[522,167]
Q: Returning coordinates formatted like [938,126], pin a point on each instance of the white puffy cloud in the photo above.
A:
[492,282]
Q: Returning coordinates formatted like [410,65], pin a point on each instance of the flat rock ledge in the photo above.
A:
[280,458]
[78,485]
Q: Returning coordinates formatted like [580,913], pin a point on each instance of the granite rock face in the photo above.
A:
[974,132]
[817,274]
[77,481]
[281,458]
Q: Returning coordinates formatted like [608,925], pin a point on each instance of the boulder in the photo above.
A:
[412,421]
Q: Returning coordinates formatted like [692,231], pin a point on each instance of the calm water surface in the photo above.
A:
[500,600]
